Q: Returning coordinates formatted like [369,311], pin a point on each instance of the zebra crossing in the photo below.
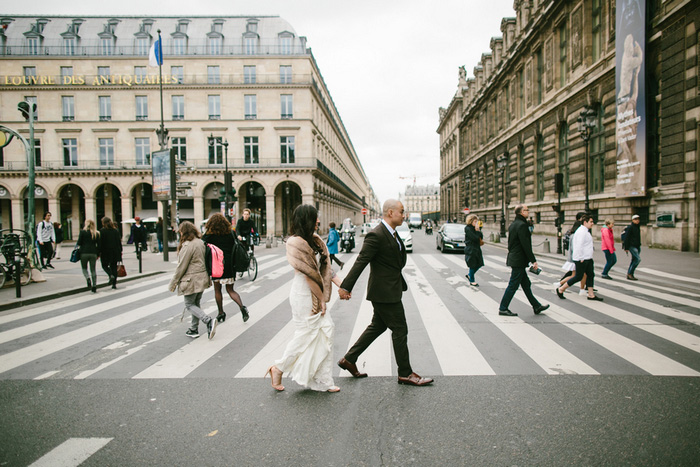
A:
[136,332]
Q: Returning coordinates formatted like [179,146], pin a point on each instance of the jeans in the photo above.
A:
[85,259]
[471,273]
[518,278]
[610,260]
[192,304]
[636,259]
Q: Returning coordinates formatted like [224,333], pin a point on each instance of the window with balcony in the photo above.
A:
[251,106]
[70,152]
[143,45]
[143,151]
[178,107]
[214,107]
[285,45]
[69,45]
[105,108]
[287,149]
[285,74]
[141,108]
[180,148]
[106,152]
[213,76]
[249,74]
[68,106]
[250,45]
[33,44]
[287,110]
[250,149]
[216,151]
[107,46]
[215,45]
[179,46]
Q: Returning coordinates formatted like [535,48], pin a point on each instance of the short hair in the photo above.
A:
[580,214]
[389,205]
[609,222]
[519,208]
[246,209]
[586,218]
[332,225]
[46,213]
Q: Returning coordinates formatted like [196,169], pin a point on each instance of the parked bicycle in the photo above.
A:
[14,246]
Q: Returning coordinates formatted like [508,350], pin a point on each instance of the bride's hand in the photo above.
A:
[323,308]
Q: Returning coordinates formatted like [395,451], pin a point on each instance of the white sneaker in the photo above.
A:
[582,292]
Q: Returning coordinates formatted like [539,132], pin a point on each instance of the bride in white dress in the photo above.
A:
[308,357]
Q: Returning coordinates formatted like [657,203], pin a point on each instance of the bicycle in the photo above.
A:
[12,245]
[252,262]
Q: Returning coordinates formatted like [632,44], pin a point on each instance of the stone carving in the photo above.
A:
[576,38]
[548,61]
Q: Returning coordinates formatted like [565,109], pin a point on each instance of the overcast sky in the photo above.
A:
[388,64]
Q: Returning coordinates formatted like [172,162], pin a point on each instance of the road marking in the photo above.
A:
[433,262]
[46,375]
[669,275]
[376,359]
[188,358]
[71,452]
[455,351]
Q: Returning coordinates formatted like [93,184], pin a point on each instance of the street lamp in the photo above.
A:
[467,184]
[449,194]
[501,164]
[227,175]
[586,123]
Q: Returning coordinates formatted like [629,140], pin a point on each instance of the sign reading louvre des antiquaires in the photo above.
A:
[630,128]
[83,80]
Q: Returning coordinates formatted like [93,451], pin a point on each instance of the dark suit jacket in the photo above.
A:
[519,244]
[385,259]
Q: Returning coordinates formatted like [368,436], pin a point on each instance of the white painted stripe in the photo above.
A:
[549,355]
[675,277]
[189,357]
[455,351]
[72,452]
[376,359]
[434,263]
[48,374]
[648,360]
[42,349]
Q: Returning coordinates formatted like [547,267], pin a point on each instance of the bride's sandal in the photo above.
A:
[334,389]
[278,386]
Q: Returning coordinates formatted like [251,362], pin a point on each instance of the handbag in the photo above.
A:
[239,256]
[75,255]
[121,270]
[481,242]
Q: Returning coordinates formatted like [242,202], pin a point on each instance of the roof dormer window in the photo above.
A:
[252,26]
[181,27]
[217,26]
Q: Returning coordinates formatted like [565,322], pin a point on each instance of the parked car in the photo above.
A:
[406,236]
[450,237]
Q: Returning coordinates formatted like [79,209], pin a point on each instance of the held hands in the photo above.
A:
[344,294]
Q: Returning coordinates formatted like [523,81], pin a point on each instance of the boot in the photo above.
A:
[89,284]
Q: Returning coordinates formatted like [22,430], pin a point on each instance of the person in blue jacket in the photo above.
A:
[332,244]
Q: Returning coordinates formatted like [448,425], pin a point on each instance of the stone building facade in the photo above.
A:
[423,199]
[239,91]
[513,125]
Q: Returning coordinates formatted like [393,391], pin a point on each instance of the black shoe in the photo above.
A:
[94,289]
[244,314]
[560,294]
[89,284]
[506,313]
[211,328]
[631,277]
[114,284]
[50,266]
[605,276]
[221,318]
[192,333]
[540,309]
[474,284]
[595,297]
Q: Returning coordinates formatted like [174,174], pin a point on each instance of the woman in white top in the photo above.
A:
[582,256]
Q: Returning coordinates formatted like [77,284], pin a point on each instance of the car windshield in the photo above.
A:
[403,227]
[454,229]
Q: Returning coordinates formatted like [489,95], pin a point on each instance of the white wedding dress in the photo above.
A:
[308,358]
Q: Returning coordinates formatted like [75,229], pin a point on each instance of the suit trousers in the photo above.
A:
[386,315]
[518,278]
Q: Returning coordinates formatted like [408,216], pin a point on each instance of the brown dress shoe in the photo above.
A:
[351,367]
[415,380]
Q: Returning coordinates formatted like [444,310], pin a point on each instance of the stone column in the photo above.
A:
[198,210]
[90,210]
[127,213]
[17,213]
[270,213]
[76,225]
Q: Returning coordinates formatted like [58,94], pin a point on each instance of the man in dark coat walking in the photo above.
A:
[633,244]
[519,256]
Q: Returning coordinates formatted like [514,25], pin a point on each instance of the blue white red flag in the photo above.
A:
[155,56]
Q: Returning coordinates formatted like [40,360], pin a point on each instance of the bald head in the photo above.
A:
[393,212]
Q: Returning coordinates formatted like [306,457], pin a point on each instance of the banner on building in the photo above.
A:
[630,124]
[160,163]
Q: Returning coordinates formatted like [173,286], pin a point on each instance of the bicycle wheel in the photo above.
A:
[252,268]
[25,272]
[3,275]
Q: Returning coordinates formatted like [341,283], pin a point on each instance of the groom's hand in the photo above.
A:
[344,294]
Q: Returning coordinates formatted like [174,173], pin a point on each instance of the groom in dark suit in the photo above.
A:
[384,251]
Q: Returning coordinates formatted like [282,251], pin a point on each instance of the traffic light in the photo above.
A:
[23,107]
[228,188]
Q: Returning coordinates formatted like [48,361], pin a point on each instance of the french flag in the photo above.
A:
[155,56]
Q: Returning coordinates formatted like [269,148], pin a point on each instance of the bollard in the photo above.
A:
[268,242]
[491,237]
[18,280]
[545,246]
[274,242]
[496,238]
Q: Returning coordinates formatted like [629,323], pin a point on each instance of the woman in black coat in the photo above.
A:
[111,251]
[89,245]
[472,247]
[218,232]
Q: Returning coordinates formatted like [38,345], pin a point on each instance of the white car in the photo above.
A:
[406,236]
[368,226]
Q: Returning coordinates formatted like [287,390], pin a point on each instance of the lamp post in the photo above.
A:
[586,123]
[449,195]
[501,164]
[227,175]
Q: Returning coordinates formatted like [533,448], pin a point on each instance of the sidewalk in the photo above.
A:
[67,278]
[679,263]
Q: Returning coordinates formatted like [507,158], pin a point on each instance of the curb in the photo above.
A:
[66,293]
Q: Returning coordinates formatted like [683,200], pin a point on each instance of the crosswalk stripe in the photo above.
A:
[432,262]
[376,359]
[33,352]
[643,357]
[189,357]
[456,353]
[675,277]
[71,452]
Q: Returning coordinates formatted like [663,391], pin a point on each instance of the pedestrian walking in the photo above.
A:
[519,256]
[159,234]
[332,244]
[308,357]
[384,251]
[473,239]
[46,237]
[219,233]
[583,258]
[632,243]
[110,249]
[607,240]
[569,265]
[139,236]
[89,247]
[191,278]
[58,231]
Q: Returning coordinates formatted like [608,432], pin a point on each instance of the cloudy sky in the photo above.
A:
[389,64]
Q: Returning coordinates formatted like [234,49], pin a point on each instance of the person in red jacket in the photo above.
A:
[607,240]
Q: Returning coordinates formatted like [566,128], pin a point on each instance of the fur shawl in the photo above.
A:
[303,259]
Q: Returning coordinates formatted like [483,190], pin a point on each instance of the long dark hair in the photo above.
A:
[304,225]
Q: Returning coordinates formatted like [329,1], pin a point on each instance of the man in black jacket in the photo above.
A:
[633,244]
[519,255]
